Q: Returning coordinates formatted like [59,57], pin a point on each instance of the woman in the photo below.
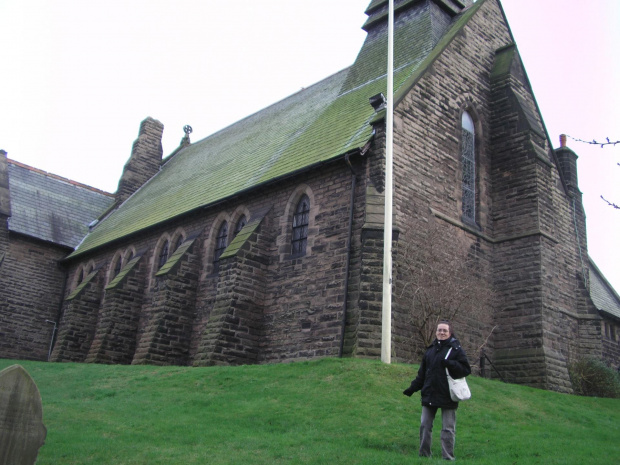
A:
[433,383]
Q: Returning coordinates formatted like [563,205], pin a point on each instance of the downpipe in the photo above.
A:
[349,240]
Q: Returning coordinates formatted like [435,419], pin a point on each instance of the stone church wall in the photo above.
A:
[78,323]
[428,169]
[524,236]
[611,343]
[305,297]
[297,303]
[115,338]
[30,295]
[261,304]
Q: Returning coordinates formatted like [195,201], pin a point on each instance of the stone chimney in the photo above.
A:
[567,160]
[5,199]
[377,10]
[145,159]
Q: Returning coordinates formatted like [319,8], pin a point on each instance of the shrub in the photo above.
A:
[593,378]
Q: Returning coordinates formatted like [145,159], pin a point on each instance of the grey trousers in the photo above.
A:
[448,431]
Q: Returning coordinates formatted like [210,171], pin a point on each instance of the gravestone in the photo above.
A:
[22,432]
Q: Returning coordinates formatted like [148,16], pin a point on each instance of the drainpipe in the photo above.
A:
[57,322]
[49,353]
[349,240]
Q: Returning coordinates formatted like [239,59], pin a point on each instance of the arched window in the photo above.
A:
[240,224]
[300,227]
[130,256]
[80,276]
[163,255]
[179,242]
[118,265]
[468,161]
[220,245]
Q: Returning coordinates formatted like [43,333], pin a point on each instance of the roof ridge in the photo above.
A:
[58,177]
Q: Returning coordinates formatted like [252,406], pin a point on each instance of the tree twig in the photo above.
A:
[595,142]
[611,204]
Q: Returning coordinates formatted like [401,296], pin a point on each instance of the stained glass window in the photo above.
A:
[468,160]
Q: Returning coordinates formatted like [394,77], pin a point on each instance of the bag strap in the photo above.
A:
[448,354]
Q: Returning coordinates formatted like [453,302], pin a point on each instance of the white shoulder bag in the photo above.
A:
[459,390]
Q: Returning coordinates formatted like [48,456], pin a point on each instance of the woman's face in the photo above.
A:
[443,331]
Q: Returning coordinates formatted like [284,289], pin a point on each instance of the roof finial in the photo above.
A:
[187,129]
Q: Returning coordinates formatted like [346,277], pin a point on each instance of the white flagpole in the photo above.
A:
[386,314]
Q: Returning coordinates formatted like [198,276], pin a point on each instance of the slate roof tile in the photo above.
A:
[603,294]
[52,208]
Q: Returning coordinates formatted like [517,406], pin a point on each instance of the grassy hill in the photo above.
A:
[329,411]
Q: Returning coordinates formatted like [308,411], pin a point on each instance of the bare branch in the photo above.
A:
[611,204]
[602,144]
[442,280]
[486,340]
[595,142]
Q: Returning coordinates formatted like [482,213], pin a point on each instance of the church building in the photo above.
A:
[263,242]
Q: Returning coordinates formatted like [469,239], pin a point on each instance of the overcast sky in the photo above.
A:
[79,76]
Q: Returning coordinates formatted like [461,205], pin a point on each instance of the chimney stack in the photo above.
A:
[567,164]
[145,159]
[562,140]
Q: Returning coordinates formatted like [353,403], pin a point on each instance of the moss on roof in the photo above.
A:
[124,271]
[83,284]
[430,58]
[241,238]
[175,257]
[503,60]
[317,124]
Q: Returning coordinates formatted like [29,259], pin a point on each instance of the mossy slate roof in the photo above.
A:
[313,126]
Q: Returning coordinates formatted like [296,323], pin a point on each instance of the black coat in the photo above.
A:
[432,380]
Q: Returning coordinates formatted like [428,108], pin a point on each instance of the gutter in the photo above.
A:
[76,253]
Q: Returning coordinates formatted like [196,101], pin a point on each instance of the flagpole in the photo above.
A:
[386,314]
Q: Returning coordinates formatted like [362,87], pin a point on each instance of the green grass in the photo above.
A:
[330,411]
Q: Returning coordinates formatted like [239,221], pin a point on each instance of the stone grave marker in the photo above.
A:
[22,432]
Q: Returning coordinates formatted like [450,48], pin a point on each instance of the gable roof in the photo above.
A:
[603,295]
[318,124]
[52,208]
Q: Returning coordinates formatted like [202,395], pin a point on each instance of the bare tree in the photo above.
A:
[444,279]
[602,145]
